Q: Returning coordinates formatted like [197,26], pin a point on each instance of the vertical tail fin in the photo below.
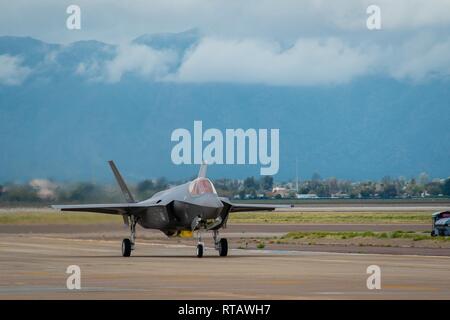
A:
[202,171]
[126,192]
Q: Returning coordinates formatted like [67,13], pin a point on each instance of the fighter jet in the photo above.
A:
[181,210]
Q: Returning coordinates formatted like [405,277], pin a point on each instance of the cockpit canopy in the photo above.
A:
[201,186]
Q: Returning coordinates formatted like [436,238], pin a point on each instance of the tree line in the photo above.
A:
[46,191]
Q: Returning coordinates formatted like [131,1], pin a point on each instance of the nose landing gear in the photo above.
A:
[220,244]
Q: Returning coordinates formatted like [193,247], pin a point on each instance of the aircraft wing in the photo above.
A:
[111,208]
[240,207]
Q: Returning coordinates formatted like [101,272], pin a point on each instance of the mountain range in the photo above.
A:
[77,105]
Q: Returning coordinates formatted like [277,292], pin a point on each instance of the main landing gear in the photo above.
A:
[220,244]
[128,244]
[199,245]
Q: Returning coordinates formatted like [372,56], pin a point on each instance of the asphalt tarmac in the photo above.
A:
[241,228]
[33,266]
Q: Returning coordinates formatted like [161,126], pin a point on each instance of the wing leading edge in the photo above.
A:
[240,207]
[110,208]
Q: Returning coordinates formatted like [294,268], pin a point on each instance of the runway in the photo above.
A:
[33,267]
[240,228]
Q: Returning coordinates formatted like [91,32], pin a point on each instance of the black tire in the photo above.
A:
[223,247]
[199,250]
[126,247]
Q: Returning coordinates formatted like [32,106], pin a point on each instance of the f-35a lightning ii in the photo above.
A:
[193,206]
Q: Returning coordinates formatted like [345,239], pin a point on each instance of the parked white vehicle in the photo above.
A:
[441,224]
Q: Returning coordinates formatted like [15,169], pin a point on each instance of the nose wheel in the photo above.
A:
[220,244]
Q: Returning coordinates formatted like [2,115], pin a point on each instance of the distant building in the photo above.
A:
[283,192]
[306,196]
[340,196]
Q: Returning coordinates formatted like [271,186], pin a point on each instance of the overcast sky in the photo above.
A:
[280,42]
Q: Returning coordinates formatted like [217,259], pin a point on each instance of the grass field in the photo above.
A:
[332,217]
[415,236]
[48,216]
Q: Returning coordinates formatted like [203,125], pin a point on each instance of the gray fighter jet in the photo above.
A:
[193,206]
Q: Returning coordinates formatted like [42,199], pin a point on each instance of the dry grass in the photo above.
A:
[49,216]
[333,217]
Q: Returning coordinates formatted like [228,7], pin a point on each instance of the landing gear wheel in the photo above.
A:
[223,247]
[199,250]
[126,247]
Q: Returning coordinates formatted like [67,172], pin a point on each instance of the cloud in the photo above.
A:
[308,62]
[11,70]
[290,42]
[114,20]
[138,59]
[419,59]
[410,15]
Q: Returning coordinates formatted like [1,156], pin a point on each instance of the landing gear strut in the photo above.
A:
[128,244]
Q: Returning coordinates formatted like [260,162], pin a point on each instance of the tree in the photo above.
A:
[389,191]
[304,190]
[423,178]
[446,187]
[20,193]
[386,180]
[145,186]
[145,189]
[323,190]
[315,181]
[333,185]
[434,188]
[249,183]
[316,177]
[267,183]
[367,190]
[85,191]
[161,184]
